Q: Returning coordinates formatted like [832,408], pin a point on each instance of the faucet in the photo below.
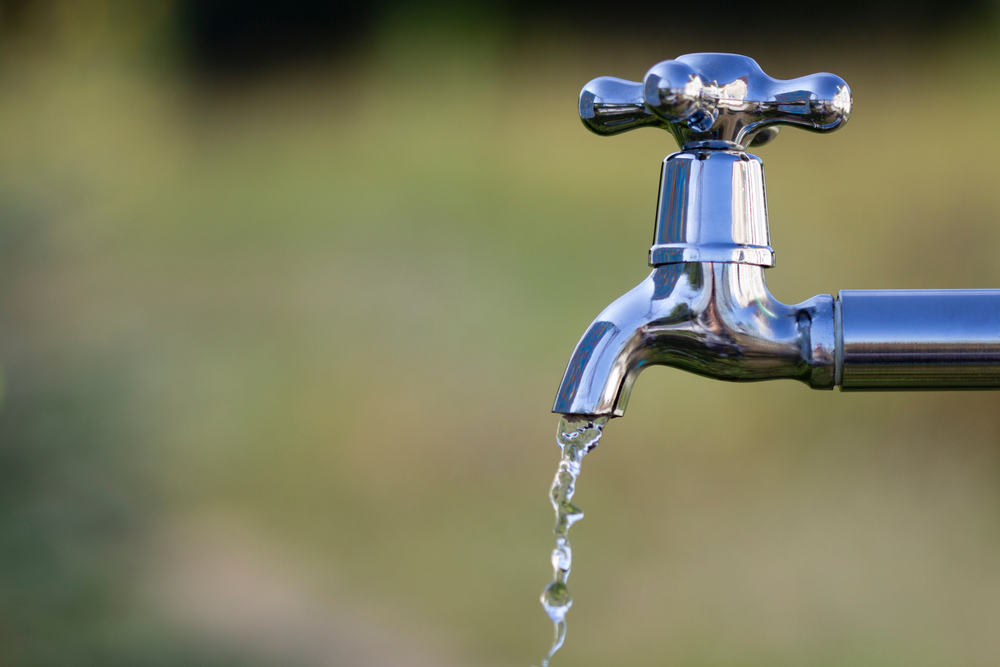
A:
[705,307]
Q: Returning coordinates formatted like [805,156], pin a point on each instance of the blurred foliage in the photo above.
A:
[278,354]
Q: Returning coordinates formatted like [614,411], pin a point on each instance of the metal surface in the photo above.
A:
[919,339]
[715,99]
[715,319]
[712,208]
[705,307]
[712,205]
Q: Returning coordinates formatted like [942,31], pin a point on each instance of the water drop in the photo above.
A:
[556,600]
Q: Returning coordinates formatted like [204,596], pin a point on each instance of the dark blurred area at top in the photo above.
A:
[246,35]
[221,37]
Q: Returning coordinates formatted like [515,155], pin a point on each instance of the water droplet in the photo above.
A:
[562,556]
[556,600]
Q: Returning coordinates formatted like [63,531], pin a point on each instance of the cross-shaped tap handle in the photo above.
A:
[715,100]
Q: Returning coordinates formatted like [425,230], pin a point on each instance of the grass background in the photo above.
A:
[279,351]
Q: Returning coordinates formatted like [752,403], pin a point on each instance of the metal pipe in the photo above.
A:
[918,340]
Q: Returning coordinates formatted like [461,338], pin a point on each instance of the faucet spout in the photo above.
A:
[716,319]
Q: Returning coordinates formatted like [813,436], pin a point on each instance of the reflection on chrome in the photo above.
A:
[718,97]
[705,308]
[712,318]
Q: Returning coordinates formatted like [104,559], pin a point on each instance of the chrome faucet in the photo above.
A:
[705,307]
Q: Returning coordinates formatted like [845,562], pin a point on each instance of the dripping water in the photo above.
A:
[577,435]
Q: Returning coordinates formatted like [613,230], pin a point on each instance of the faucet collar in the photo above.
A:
[712,208]
[713,145]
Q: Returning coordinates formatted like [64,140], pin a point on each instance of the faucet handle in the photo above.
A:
[715,100]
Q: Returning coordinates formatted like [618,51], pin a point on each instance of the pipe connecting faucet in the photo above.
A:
[705,307]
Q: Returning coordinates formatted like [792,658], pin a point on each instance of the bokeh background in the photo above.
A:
[287,288]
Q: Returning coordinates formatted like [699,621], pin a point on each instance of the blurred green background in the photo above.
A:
[286,290]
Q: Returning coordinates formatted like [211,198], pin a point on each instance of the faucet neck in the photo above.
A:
[712,208]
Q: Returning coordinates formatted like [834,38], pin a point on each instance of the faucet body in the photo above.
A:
[716,319]
[705,308]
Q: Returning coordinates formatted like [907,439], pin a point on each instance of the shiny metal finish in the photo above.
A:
[712,205]
[715,100]
[712,208]
[705,307]
[714,318]
[609,105]
[919,339]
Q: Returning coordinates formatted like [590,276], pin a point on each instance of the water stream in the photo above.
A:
[576,436]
